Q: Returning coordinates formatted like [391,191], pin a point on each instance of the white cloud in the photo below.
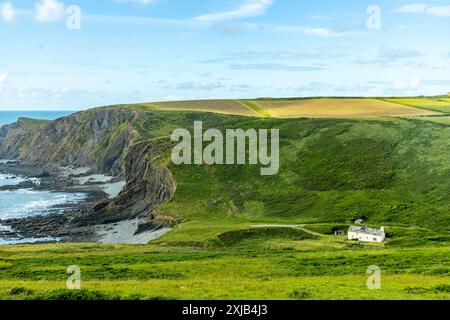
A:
[143,2]
[318,32]
[250,8]
[389,56]
[438,11]
[7,12]
[321,32]
[413,8]
[443,11]
[2,80]
[49,10]
[320,17]
[407,85]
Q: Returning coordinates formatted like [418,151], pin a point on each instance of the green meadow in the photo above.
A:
[283,264]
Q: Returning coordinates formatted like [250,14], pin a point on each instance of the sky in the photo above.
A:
[78,54]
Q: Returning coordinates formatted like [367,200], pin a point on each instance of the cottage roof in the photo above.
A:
[366,230]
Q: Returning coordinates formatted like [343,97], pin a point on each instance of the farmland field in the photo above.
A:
[337,108]
[441,104]
[217,106]
[362,108]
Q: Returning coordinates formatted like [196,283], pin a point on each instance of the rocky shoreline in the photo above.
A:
[78,224]
[50,179]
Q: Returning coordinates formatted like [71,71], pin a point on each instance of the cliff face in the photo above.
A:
[148,185]
[95,138]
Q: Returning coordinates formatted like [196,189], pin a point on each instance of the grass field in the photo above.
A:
[336,108]
[441,104]
[391,172]
[234,107]
[442,120]
[268,265]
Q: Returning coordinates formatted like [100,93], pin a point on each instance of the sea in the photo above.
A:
[29,202]
[7,117]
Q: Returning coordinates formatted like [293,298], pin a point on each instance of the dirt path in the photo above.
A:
[295,226]
[124,232]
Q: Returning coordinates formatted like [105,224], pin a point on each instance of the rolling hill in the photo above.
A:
[321,107]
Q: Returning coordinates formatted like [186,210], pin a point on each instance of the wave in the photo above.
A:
[26,202]
[26,240]
[13,180]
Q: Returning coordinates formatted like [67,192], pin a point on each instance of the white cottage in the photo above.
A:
[366,234]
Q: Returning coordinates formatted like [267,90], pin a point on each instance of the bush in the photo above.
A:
[300,294]
[442,288]
[419,290]
[161,298]
[20,291]
[83,294]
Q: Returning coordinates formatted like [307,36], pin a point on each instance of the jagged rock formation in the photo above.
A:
[148,185]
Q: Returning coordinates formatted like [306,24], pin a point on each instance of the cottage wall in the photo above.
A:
[364,237]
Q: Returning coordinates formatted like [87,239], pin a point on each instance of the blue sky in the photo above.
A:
[152,50]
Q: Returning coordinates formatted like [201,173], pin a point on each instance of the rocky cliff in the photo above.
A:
[95,138]
[148,185]
[105,140]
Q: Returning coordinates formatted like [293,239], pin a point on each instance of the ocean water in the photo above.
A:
[28,202]
[7,117]
[12,180]
[26,240]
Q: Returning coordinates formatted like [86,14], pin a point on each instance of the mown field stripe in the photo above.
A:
[255,108]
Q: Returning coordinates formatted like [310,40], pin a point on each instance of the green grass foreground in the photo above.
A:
[247,263]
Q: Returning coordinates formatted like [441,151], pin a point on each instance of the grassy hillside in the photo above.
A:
[391,172]
[244,236]
[30,123]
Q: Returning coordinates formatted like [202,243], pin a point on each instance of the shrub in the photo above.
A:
[442,288]
[83,294]
[300,294]
[20,291]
